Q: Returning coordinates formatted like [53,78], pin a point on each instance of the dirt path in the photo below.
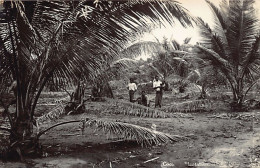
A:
[235,153]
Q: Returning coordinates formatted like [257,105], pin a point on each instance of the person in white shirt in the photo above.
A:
[132,89]
[158,87]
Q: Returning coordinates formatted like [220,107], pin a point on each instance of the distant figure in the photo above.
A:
[132,89]
[158,87]
[143,100]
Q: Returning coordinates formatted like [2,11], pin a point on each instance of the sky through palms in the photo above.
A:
[197,8]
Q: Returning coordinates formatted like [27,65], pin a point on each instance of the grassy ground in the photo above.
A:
[219,141]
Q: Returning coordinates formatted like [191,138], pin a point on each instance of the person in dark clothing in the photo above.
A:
[144,99]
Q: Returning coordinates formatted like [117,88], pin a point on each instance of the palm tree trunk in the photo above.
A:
[238,98]
[203,92]
[105,90]
[21,137]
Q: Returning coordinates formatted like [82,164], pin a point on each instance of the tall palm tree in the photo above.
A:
[60,40]
[232,46]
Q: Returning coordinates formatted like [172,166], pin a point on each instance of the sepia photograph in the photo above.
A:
[129,83]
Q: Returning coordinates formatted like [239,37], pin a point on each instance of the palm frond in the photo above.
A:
[205,31]
[124,131]
[187,40]
[137,49]
[164,10]
[7,66]
[225,67]
[252,60]
[224,9]
[54,114]
[216,57]
[124,62]
[142,135]
[191,106]
[60,15]
[221,25]
[175,45]
[218,14]
[244,25]
[133,109]
[213,40]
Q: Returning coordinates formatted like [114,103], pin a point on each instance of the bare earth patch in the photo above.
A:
[216,142]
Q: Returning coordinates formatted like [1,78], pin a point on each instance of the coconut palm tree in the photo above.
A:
[232,46]
[59,40]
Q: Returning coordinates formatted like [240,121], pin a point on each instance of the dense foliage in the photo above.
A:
[64,41]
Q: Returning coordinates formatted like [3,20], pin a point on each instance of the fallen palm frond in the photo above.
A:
[221,116]
[127,108]
[143,136]
[124,131]
[248,116]
[245,116]
[190,106]
[55,113]
[133,109]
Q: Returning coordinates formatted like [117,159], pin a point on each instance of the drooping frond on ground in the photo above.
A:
[143,136]
[114,106]
[124,131]
[133,109]
[56,113]
[191,106]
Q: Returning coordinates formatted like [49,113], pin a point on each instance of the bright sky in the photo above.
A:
[197,8]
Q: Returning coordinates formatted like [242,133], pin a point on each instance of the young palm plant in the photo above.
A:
[232,46]
[59,40]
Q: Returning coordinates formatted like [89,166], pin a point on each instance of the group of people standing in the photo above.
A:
[157,86]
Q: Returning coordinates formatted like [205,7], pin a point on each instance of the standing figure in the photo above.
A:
[158,87]
[132,89]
